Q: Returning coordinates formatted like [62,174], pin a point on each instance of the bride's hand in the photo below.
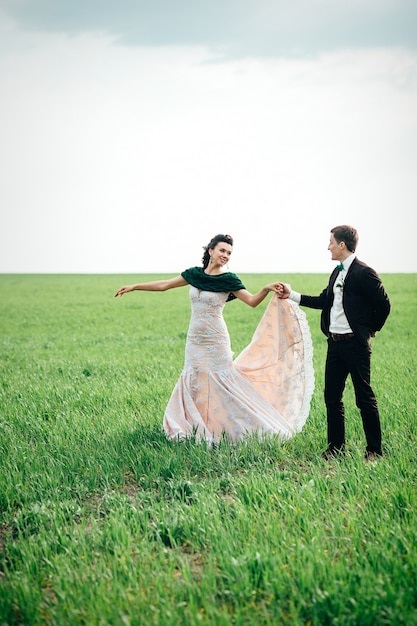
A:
[276,288]
[123,290]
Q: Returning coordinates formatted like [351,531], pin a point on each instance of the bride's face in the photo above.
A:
[220,254]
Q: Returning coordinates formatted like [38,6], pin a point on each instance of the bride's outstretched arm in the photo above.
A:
[253,299]
[154,285]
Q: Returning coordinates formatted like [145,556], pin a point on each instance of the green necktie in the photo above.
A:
[340,267]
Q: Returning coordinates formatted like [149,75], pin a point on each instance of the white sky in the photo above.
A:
[120,153]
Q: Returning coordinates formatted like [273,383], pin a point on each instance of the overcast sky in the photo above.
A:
[131,132]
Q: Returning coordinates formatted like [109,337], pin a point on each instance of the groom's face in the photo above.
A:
[336,249]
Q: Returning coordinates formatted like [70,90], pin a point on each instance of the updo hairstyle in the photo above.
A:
[212,244]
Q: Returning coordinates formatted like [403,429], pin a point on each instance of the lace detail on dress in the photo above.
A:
[266,390]
[308,366]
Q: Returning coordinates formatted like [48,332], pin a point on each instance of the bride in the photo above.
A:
[267,389]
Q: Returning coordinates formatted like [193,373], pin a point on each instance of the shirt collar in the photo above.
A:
[348,261]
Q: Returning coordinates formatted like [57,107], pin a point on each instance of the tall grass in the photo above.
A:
[105,521]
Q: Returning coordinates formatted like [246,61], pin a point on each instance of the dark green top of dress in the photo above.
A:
[221,283]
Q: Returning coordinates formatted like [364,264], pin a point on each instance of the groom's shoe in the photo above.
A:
[372,457]
[332,453]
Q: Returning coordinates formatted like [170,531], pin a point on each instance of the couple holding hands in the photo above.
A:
[268,387]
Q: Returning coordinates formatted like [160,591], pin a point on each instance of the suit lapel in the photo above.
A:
[351,269]
[332,280]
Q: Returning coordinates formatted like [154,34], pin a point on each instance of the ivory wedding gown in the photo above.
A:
[267,389]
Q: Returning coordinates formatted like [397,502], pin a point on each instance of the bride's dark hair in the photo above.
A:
[212,244]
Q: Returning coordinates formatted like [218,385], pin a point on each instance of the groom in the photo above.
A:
[354,306]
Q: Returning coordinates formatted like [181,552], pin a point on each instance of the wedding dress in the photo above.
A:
[267,389]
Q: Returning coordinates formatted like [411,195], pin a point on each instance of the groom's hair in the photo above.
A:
[348,234]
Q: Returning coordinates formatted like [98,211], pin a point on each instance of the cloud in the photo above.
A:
[231,28]
[128,158]
[121,159]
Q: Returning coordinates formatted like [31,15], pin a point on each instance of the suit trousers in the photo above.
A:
[343,358]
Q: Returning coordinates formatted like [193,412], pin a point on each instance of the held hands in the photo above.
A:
[284,291]
[123,290]
[276,288]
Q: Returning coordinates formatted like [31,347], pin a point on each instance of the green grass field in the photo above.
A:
[105,522]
